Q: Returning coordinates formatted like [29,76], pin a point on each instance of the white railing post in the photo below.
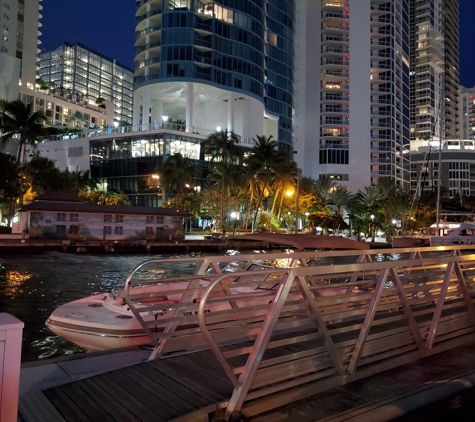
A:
[11,330]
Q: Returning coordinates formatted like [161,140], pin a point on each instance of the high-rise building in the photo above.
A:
[76,71]
[467,113]
[18,45]
[352,91]
[434,69]
[221,64]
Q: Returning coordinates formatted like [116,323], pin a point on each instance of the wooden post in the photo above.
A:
[11,330]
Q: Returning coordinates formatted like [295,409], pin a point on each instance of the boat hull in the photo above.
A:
[409,242]
[93,341]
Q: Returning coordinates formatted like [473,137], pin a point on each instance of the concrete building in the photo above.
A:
[18,45]
[216,65]
[434,69]
[467,113]
[352,91]
[60,215]
[457,166]
[80,74]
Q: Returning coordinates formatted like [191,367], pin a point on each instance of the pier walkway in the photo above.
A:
[301,331]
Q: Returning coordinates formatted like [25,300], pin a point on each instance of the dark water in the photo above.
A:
[32,286]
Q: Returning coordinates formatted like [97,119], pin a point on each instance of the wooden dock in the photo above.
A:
[160,390]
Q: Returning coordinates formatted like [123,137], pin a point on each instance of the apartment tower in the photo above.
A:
[18,45]
[216,65]
[434,35]
[352,91]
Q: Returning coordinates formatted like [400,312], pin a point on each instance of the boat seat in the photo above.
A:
[150,299]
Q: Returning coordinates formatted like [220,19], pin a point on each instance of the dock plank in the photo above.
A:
[141,412]
[196,400]
[161,391]
[139,393]
[108,402]
[209,393]
[67,407]
[88,404]
[187,366]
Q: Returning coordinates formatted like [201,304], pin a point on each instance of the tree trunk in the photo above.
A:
[259,201]
[280,207]
[248,209]
[222,201]
[274,202]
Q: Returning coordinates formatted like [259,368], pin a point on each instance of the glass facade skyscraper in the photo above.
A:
[76,70]
[216,64]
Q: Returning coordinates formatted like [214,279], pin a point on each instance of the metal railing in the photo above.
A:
[122,130]
[385,314]
[310,328]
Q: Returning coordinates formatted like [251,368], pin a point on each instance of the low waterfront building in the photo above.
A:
[457,166]
[60,215]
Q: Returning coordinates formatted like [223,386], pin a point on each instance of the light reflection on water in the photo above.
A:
[32,286]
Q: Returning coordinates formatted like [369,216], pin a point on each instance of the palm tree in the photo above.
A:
[177,174]
[19,121]
[224,153]
[339,196]
[264,160]
[77,119]
[367,201]
[324,188]
[284,180]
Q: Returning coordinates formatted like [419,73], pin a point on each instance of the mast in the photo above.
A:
[441,134]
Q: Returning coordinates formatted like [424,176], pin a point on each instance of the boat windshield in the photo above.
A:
[434,231]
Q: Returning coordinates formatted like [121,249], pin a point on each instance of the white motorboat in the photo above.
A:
[442,234]
[105,321]
[117,319]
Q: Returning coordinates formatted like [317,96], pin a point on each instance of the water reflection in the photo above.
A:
[14,279]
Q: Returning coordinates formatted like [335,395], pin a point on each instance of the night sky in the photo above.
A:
[108,26]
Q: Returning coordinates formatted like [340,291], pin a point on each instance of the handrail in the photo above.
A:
[421,289]
[202,323]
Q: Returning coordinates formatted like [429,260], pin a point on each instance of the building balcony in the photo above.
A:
[140,34]
[155,12]
[203,43]
[333,98]
[329,145]
[147,62]
[334,29]
[334,122]
[381,125]
[380,136]
[334,62]
[334,50]
[333,135]
[332,110]
[148,46]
